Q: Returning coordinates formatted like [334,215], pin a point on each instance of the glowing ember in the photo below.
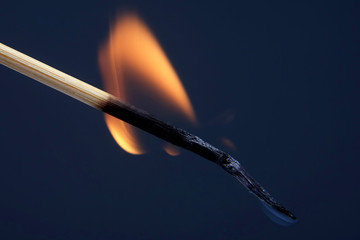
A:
[132,58]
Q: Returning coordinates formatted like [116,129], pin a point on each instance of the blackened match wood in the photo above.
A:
[109,104]
[184,139]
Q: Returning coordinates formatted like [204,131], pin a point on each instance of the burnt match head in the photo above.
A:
[279,214]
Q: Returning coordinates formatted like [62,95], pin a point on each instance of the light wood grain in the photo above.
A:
[52,77]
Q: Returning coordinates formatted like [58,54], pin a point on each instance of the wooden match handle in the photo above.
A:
[52,77]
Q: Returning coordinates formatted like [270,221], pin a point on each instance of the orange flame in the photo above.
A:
[132,49]
[228,143]
[172,150]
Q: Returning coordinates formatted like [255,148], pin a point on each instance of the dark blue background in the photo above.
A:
[287,70]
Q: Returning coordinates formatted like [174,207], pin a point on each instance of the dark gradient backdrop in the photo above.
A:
[288,71]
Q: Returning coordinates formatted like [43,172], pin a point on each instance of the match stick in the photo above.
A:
[109,104]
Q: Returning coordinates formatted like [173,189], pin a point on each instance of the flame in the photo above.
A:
[132,49]
[171,149]
[228,143]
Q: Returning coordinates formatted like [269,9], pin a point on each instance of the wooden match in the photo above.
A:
[109,104]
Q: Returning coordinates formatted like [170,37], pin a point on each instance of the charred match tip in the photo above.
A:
[184,139]
[109,104]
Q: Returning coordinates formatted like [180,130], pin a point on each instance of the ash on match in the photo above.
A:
[114,106]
